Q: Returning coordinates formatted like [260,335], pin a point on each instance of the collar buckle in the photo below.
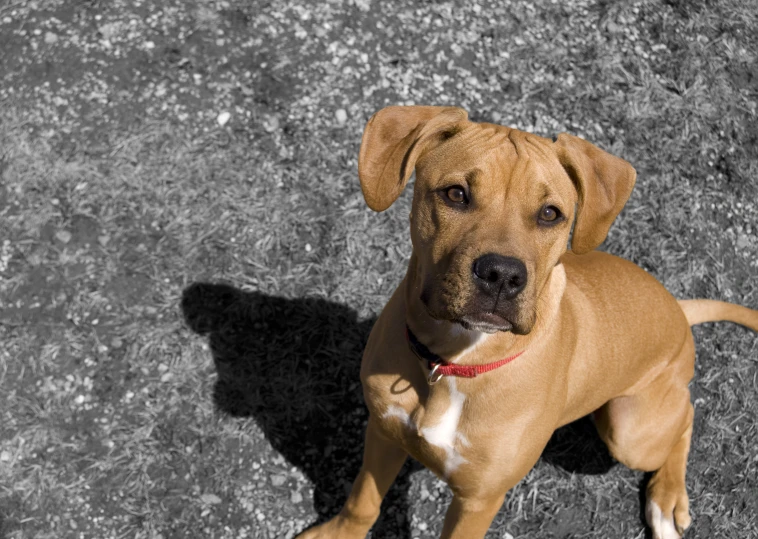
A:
[434,375]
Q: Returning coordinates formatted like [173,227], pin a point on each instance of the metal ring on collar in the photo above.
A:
[434,376]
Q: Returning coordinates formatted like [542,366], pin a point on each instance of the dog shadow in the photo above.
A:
[578,448]
[293,365]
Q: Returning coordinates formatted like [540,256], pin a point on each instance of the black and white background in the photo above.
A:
[184,167]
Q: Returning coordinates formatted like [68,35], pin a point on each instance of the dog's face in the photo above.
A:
[492,211]
[492,208]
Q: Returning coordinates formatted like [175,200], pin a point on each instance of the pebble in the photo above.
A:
[64,236]
[210,499]
[278,480]
[296,497]
[271,123]
[363,5]
[50,38]
[341,116]
[223,118]
[743,241]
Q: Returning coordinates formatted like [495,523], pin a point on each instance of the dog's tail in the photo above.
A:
[698,311]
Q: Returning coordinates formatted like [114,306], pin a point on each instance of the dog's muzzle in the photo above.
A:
[498,280]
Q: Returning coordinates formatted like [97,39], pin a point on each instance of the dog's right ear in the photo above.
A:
[393,141]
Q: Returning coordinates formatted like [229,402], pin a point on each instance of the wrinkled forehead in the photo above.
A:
[494,151]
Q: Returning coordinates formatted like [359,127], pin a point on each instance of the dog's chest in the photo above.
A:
[430,428]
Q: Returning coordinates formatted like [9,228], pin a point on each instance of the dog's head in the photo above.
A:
[492,208]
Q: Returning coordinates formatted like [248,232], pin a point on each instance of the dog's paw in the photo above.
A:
[669,524]
[337,528]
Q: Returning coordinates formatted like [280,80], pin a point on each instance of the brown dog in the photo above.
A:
[490,283]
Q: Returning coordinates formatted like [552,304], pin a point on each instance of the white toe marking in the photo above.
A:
[663,527]
[444,434]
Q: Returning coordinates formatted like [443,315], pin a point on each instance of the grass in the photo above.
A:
[132,220]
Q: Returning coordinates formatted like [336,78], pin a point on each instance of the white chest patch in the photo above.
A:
[400,413]
[445,434]
[477,340]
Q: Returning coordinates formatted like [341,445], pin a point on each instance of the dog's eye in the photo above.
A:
[549,215]
[456,194]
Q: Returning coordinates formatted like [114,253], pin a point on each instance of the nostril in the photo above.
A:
[500,274]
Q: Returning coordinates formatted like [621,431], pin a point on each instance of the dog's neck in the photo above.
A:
[456,344]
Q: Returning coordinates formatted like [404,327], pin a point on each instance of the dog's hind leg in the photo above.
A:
[650,431]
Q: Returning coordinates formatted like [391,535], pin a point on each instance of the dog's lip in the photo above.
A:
[485,322]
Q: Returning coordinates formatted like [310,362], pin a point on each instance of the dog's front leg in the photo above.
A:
[382,460]
[470,518]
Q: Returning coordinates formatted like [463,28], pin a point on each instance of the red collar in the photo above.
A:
[438,367]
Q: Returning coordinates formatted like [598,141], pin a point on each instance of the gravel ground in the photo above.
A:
[152,150]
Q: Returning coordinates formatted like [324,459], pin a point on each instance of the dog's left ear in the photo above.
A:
[394,139]
[603,183]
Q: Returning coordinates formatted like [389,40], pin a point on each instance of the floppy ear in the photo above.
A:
[603,183]
[393,140]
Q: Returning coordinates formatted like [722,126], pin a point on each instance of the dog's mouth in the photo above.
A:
[477,315]
[485,323]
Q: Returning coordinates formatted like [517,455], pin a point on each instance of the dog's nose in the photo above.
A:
[496,274]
